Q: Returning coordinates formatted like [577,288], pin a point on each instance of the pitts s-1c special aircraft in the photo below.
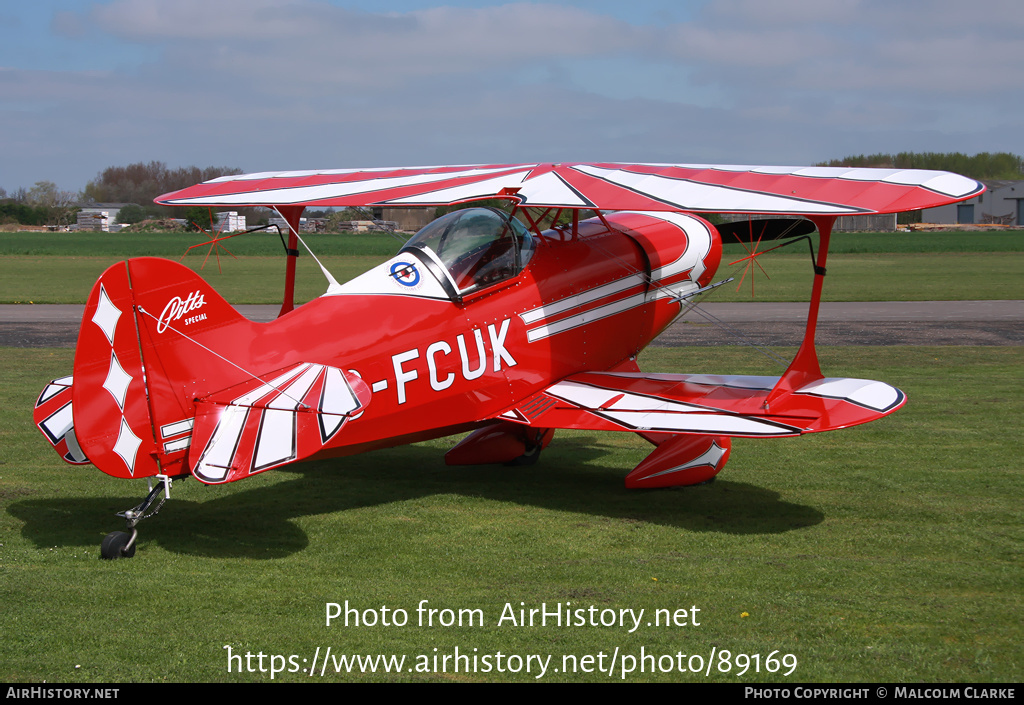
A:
[483,322]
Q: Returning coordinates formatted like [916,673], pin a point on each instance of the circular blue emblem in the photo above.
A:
[405,273]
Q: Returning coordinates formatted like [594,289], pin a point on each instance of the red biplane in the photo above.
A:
[482,322]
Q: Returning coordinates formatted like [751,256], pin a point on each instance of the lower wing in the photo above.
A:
[734,406]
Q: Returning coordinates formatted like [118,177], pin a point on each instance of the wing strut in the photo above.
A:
[292,214]
[805,368]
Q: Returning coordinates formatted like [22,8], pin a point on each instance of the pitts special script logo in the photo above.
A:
[176,308]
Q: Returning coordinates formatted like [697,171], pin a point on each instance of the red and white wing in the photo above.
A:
[604,186]
[713,405]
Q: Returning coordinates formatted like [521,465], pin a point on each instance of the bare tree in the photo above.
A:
[140,183]
[59,205]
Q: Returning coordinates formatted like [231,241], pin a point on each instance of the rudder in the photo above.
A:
[147,348]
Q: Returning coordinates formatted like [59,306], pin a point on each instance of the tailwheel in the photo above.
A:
[118,544]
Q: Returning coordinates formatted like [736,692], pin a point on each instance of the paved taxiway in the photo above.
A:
[766,323]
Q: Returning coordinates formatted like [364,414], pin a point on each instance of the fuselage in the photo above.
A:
[475,315]
[437,366]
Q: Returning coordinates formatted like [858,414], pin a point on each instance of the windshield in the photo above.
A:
[477,246]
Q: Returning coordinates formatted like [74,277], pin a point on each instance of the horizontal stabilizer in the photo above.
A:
[734,406]
[281,417]
[54,418]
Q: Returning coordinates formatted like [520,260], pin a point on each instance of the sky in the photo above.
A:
[267,85]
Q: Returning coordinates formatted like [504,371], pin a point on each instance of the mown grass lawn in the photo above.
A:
[888,552]
[62,267]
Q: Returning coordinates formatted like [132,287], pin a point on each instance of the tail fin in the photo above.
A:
[170,379]
[147,348]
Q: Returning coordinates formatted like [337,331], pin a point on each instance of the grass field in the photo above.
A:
[382,244]
[889,552]
[62,267]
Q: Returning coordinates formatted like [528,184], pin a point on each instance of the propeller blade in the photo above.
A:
[762,230]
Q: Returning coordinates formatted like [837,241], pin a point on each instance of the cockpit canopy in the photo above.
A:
[474,248]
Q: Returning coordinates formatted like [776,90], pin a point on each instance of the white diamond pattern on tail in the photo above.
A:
[127,446]
[106,315]
[117,381]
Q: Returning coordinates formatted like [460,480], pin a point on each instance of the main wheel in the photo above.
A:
[530,457]
[113,546]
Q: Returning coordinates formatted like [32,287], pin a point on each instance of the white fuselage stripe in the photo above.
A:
[698,245]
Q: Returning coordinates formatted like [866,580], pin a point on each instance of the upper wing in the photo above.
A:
[603,186]
[716,405]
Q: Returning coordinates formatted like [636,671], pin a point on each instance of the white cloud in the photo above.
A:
[854,47]
[68,24]
[264,84]
[229,20]
[306,42]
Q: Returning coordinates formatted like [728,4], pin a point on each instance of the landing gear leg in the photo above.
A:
[533,444]
[118,544]
[530,457]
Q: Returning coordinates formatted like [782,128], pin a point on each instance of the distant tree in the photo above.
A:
[332,224]
[499,203]
[56,204]
[132,213]
[344,216]
[503,204]
[258,216]
[197,217]
[985,165]
[141,182]
[43,193]
[13,212]
[355,214]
